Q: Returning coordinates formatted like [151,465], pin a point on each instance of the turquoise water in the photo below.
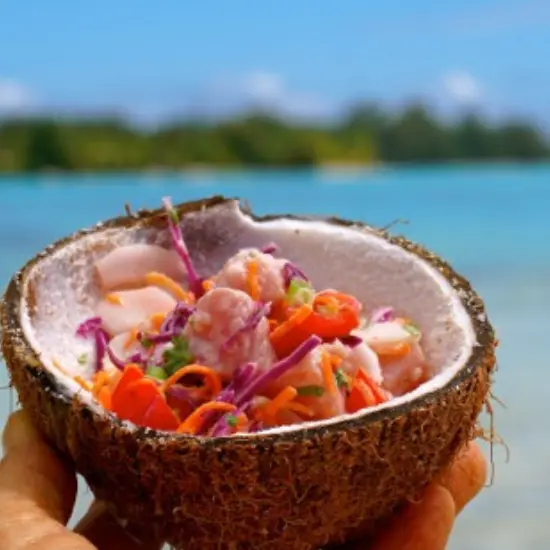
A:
[491,222]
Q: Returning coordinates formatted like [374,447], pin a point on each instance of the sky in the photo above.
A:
[155,60]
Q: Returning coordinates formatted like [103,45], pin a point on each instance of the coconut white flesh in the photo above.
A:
[65,291]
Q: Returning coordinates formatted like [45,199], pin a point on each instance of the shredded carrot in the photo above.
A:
[159,279]
[328,375]
[280,400]
[191,423]
[211,376]
[394,352]
[292,332]
[82,382]
[298,317]
[114,299]
[58,366]
[132,337]
[299,408]
[258,405]
[273,325]
[242,421]
[101,379]
[335,360]
[253,280]
[156,320]
[207,285]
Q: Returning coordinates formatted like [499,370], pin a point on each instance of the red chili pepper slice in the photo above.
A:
[364,393]
[159,415]
[135,401]
[334,315]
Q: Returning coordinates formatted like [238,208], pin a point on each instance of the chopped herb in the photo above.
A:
[341,378]
[156,372]
[413,330]
[146,343]
[178,356]
[231,420]
[299,292]
[310,391]
[82,359]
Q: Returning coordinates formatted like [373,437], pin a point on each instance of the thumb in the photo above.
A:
[37,492]
[33,473]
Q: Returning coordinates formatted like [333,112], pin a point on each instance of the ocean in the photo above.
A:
[491,222]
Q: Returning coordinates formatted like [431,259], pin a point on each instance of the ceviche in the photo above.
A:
[253,346]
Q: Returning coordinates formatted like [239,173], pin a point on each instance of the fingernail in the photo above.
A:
[18,431]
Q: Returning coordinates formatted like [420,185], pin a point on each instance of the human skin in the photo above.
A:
[38,491]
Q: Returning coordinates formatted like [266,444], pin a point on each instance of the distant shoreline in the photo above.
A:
[364,139]
[329,168]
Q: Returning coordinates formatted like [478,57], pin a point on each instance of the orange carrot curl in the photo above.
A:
[211,376]
[253,280]
[284,397]
[192,422]
[159,279]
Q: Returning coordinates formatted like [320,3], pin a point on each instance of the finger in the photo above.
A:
[31,469]
[100,528]
[466,477]
[37,492]
[425,525]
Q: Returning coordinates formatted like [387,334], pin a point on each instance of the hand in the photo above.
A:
[427,524]
[37,494]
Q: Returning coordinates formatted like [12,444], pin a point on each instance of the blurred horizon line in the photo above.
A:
[216,114]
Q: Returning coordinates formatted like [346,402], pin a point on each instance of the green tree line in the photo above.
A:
[365,135]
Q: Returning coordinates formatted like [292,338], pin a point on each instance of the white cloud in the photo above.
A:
[462,87]
[264,86]
[265,90]
[14,96]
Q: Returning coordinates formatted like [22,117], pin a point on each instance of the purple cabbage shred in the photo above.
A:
[221,427]
[277,370]
[161,338]
[260,311]
[138,358]
[246,383]
[269,248]
[177,391]
[177,319]
[242,376]
[91,328]
[351,340]
[118,363]
[291,271]
[382,315]
[195,282]
[227,396]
